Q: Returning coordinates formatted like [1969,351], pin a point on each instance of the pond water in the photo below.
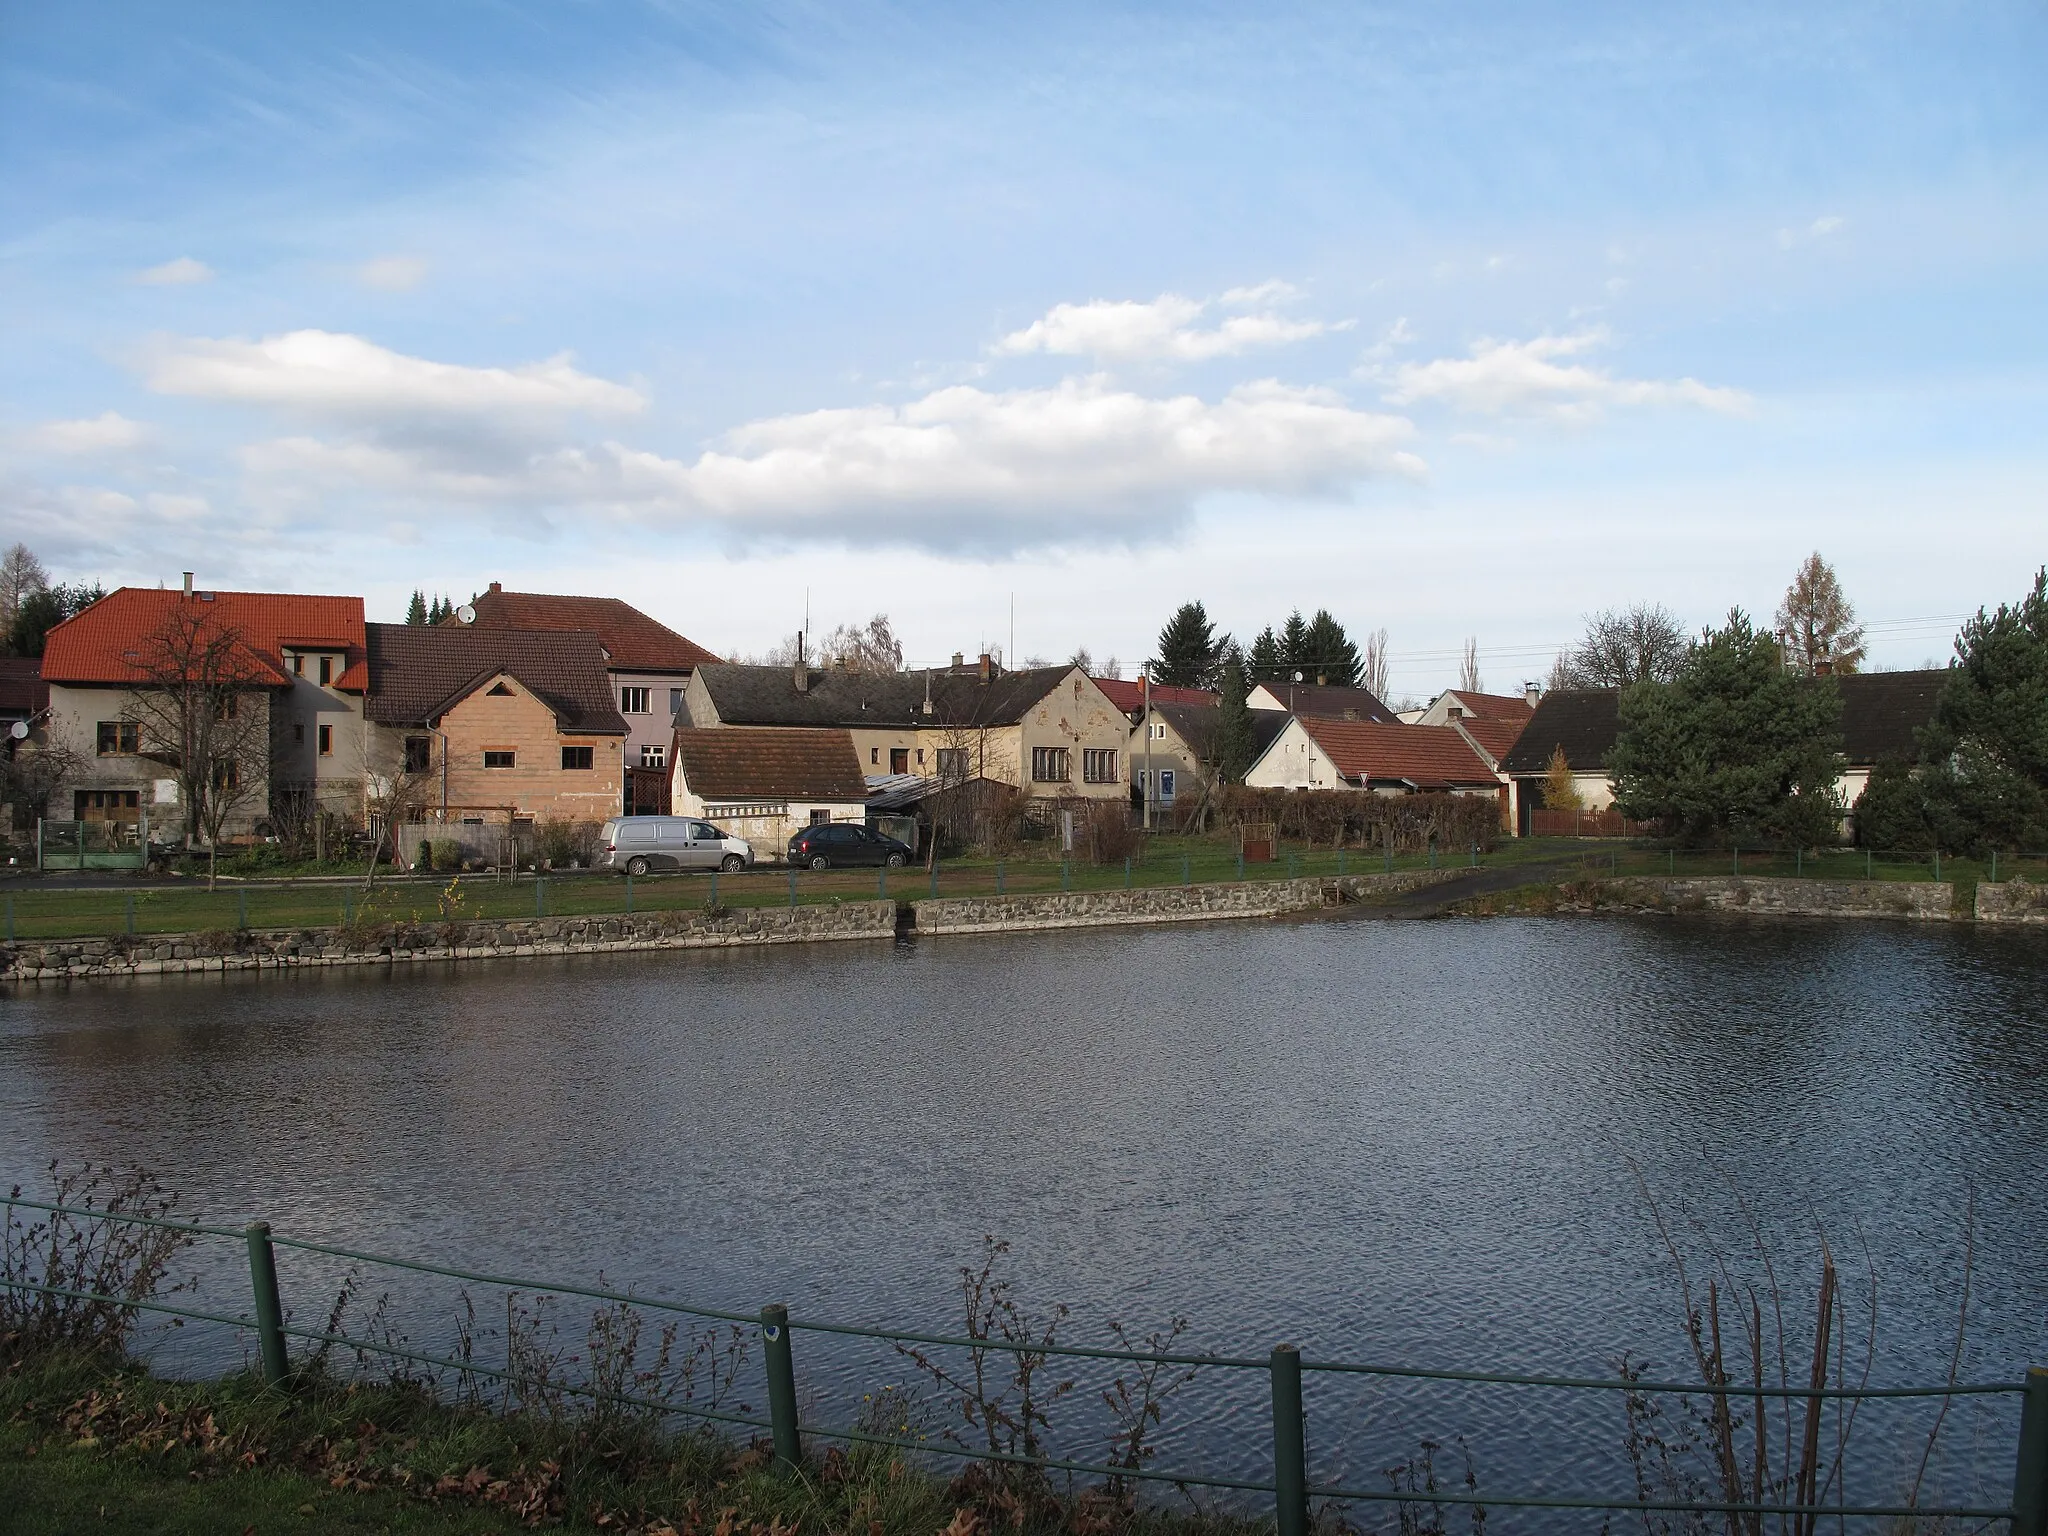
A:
[1420,1142]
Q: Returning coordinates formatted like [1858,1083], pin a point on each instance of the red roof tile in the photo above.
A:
[1130,698]
[1427,756]
[1495,706]
[1497,736]
[770,762]
[634,640]
[94,646]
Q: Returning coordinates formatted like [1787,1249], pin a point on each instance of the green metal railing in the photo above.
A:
[1289,1484]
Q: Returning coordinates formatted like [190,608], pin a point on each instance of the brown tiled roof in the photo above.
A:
[1340,703]
[1196,725]
[636,642]
[770,762]
[1427,756]
[22,689]
[1128,696]
[1583,721]
[418,672]
[1498,737]
[94,646]
[745,695]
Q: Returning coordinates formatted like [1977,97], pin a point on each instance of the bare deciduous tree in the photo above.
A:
[1469,680]
[1376,674]
[201,707]
[21,575]
[1816,624]
[1640,643]
[871,647]
[32,774]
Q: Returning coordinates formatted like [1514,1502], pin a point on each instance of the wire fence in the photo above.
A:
[773,1331]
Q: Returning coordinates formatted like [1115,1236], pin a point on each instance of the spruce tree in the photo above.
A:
[416,611]
[1987,746]
[1294,647]
[1266,664]
[1187,649]
[1329,656]
[1233,748]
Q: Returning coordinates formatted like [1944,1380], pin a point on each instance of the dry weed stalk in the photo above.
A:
[58,1252]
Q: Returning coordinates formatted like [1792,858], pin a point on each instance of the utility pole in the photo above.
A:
[1145,683]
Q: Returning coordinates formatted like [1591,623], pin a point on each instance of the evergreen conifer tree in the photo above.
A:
[1233,748]
[1187,649]
[1329,657]
[416,610]
[1266,664]
[1294,647]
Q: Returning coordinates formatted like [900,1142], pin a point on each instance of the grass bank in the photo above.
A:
[88,1442]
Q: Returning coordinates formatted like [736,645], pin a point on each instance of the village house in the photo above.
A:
[1455,704]
[648,664]
[494,728]
[1881,713]
[1048,731]
[1172,752]
[1321,752]
[763,783]
[1307,698]
[299,660]
[1128,695]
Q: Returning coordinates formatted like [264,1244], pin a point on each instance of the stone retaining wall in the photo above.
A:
[1162,903]
[273,949]
[2017,900]
[1926,900]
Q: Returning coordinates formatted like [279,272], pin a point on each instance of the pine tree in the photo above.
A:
[1265,663]
[416,611]
[1187,649]
[1294,647]
[1329,656]
[1987,746]
[1232,752]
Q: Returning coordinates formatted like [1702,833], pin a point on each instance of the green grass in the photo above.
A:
[88,1445]
[1164,860]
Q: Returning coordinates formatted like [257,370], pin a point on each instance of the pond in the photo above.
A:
[1432,1143]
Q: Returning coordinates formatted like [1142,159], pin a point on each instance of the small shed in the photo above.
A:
[763,783]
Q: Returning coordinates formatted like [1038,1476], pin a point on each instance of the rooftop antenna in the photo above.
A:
[1010,655]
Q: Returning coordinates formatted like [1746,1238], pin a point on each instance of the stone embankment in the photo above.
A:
[1765,896]
[2012,901]
[1163,904]
[405,943]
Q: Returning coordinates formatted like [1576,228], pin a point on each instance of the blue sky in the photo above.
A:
[1455,319]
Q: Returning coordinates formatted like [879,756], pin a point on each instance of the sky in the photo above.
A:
[1456,319]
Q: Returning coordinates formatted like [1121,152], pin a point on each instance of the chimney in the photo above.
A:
[1531,692]
[802,677]
[985,665]
[959,661]
[188,583]
[497,586]
[1824,666]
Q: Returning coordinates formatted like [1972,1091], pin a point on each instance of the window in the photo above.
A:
[227,775]
[874,757]
[899,759]
[298,665]
[327,741]
[107,805]
[633,701]
[577,757]
[920,757]
[326,670]
[820,818]
[675,702]
[953,764]
[419,753]
[119,738]
[1166,786]
[653,755]
[1049,765]
[501,759]
[227,707]
[1098,765]
[1158,731]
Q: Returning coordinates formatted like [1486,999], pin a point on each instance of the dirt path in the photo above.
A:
[1432,900]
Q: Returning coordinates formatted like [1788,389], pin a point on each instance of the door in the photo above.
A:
[673,838]
[706,846]
[899,759]
[862,847]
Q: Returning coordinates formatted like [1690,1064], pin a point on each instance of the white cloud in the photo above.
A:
[176,274]
[1525,377]
[393,274]
[1819,229]
[345,378]
[1164,329]
[108,432]
[960,468]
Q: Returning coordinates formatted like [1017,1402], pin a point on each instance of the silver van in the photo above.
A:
[642,845]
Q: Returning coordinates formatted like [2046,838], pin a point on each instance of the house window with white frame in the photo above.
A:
[1051,765]
[633,701]
[1098,765]
[653,755]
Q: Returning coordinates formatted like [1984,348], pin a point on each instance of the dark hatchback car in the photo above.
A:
[831,845]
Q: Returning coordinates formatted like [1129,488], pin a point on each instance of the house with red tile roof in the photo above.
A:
[1327,752]
[1128,695]
[299,657]
[1467,704]
[650,666]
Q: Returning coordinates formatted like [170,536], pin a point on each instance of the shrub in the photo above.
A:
[1892,810]
[1360,818]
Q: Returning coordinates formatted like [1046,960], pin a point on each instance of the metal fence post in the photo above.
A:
[792,885]
[882,881]
[1240,861]
[540,895]
[1994,866]
[1866,863]
[934,882]
[1738,858]
[1293,865]
[999,877]
[1937,863]
[1340,863]
[1187,870]
[789,1449]
[128,910]
[1066,874]
[10,917]
[348,911]
[2030,1477]
[269,1314]
[1127,872]
[242,907]
[1390,858]
[714,888]
[1290,1445]
[1799,860]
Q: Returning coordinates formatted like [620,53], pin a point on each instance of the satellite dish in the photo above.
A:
[18,730]
[1297,677]
[466,614]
